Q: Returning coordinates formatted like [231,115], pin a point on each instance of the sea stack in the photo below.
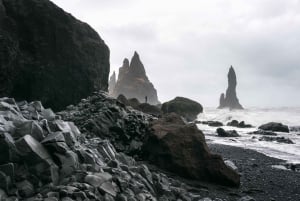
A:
[112,82]
[230,100]
[133,82]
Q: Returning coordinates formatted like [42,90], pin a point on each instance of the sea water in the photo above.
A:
[256,117]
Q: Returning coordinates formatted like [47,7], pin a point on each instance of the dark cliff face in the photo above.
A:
[134,83]
[230,100]
[46,54]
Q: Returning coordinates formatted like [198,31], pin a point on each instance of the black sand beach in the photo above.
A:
[258,178]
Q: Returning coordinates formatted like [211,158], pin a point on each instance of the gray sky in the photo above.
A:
[187,46]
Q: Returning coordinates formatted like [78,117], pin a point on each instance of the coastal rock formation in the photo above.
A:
[112,82]
[230,100]
[230,133]
[273,126]
[133,82]
[181,148]
[185,107]
[49,159]
[143,107]
[130,131]
[46,54]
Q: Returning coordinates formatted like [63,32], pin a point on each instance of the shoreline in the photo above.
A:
[258,178]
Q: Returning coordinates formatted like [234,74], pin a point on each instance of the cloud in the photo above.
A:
[188,46]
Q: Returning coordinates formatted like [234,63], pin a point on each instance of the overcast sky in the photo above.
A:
[187,46]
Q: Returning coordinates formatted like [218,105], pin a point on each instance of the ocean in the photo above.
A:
[256,117]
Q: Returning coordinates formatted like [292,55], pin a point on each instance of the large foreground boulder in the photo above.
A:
[181,148]
[185,107]
[46,54]
[276,127]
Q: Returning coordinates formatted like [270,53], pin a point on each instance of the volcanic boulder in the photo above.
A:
[181,148]
[230,100]
[185,107]
[133,82]
[273,126]
[46,54]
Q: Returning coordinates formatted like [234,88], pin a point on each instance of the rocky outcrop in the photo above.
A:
[230,100]
[236,123]
[230,133]
[112,83]
[45,158]
[143,107]
[181,148]
[185,107]
[276,127]
[47,54]
[134,83]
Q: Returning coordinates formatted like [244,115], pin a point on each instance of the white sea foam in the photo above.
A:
[256,117]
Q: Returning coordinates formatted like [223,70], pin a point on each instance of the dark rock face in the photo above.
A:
[46,54]
[181,148]
[185,107]
[133,82]
[222,133]
[112,83]
[276,127]
[230,100]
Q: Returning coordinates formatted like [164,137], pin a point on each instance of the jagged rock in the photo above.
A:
[222,133]
[112,83]
[143,107]
[276,127]
[230,100]
[134,83]
[37,158]
[185,107]
[25,189]
[246,198]
[181,148]
[242,124]
[47,54]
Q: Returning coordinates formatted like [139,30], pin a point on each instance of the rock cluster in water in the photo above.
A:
[133,82]
[230,100]
[46,54]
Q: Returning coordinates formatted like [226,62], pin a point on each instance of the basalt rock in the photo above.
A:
[46,54]
[230,100]
[222,133]
[134,83]
[276,127]
[185,107]
[181,148]
[83,169]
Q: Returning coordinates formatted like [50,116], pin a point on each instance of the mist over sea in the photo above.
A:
[256,117]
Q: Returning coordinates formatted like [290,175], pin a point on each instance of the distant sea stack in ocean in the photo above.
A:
[112,82]
[133,82]
[230,100]
[46,54]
